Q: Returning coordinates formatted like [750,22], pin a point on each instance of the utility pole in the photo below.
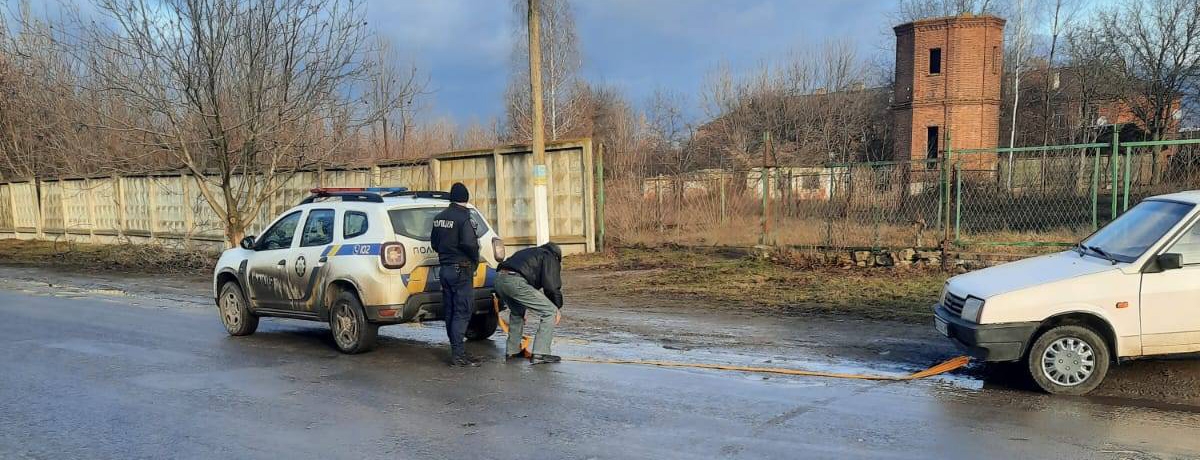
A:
[541,209]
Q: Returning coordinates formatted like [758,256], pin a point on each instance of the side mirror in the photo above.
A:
[1169,261]
[247,243]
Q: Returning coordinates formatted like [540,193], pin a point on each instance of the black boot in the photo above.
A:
[462,361]
[544,359]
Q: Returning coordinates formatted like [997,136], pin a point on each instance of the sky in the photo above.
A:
[465,46]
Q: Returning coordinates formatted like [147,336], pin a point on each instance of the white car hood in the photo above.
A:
[1027,273]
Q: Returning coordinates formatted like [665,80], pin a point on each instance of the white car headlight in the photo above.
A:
[945,290]
[972,308]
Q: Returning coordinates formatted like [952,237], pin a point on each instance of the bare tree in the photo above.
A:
[562,90]
[670,131]
[1095,75]
[1159,43]
[817,105]
[478,135]
[395,88]
[1061,16]
[240,93]
[912,10]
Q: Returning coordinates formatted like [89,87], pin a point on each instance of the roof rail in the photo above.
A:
[432,194]
[363,194]
[345,196]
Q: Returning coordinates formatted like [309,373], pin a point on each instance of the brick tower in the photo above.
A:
[948,73]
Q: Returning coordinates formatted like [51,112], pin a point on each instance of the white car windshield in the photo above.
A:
[1125,239]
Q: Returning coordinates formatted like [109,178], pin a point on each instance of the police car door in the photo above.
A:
[266,268]
[307,260]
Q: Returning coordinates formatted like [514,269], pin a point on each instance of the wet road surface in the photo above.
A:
[89,373]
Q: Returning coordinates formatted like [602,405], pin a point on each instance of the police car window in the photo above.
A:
[318,229]
[480,224]
[354,224]
[279,236]
[417,223]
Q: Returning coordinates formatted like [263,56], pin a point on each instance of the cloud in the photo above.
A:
[635,45]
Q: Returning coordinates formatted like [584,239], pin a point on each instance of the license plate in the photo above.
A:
[941,327]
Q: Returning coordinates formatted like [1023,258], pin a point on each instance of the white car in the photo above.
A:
[1130,290]
[355,258]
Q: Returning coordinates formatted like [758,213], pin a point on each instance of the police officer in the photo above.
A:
[456,241]
[530,280]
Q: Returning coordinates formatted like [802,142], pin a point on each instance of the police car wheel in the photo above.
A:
[351,332]
[235,315]
[482,326]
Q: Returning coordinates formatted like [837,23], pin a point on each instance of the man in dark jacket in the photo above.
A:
[530,281]
[456,241]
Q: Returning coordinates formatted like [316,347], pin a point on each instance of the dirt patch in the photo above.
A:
[780,283]
[126,258]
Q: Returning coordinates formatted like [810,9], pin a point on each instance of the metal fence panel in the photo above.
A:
[25,205]
[6,211]
[106,209]
[52,207]
[478,174]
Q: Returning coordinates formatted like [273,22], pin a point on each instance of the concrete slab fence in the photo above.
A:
[167,208]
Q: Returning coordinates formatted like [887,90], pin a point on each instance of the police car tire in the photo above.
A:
[366,332]
[1082,334]
[483,326]
[242,322]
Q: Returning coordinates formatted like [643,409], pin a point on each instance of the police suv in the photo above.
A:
[357,258]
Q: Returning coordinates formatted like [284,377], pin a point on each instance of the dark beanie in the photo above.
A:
[459,193]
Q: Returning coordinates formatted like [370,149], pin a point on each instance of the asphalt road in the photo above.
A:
[86,374]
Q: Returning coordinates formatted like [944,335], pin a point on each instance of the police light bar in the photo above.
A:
[328,190]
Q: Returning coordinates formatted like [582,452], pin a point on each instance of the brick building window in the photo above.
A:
[931,146]
[935,61]
[996,60]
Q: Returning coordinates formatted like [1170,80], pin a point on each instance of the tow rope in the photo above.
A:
[942,368]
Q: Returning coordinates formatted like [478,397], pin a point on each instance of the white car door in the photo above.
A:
[307,260]
[1170,300]
[266,268]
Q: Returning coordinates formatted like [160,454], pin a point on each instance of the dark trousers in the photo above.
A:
[458,291]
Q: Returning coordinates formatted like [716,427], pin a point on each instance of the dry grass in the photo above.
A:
[782,282]
[128,257]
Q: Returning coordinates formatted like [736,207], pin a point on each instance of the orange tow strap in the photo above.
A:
[946,366]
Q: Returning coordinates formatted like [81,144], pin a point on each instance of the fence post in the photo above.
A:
[152,206]
[957,200]
[1128,170]
[1096,191]
[766,210]
[722,183]
[946,162]
[829,208]
[189,218]
[40,221]
[12,207]
[62,202]
[599,181]
[90,200]
[658,197]
[766,187]
[119,193]
[376,176]
[1114,164]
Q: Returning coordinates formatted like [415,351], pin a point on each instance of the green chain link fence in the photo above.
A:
[1015,200]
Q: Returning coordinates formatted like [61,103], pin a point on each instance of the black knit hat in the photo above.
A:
[459,193]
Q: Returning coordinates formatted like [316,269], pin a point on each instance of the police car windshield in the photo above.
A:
[417,223]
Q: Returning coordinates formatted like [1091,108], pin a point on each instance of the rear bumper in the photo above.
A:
[987,342]
[425,306]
